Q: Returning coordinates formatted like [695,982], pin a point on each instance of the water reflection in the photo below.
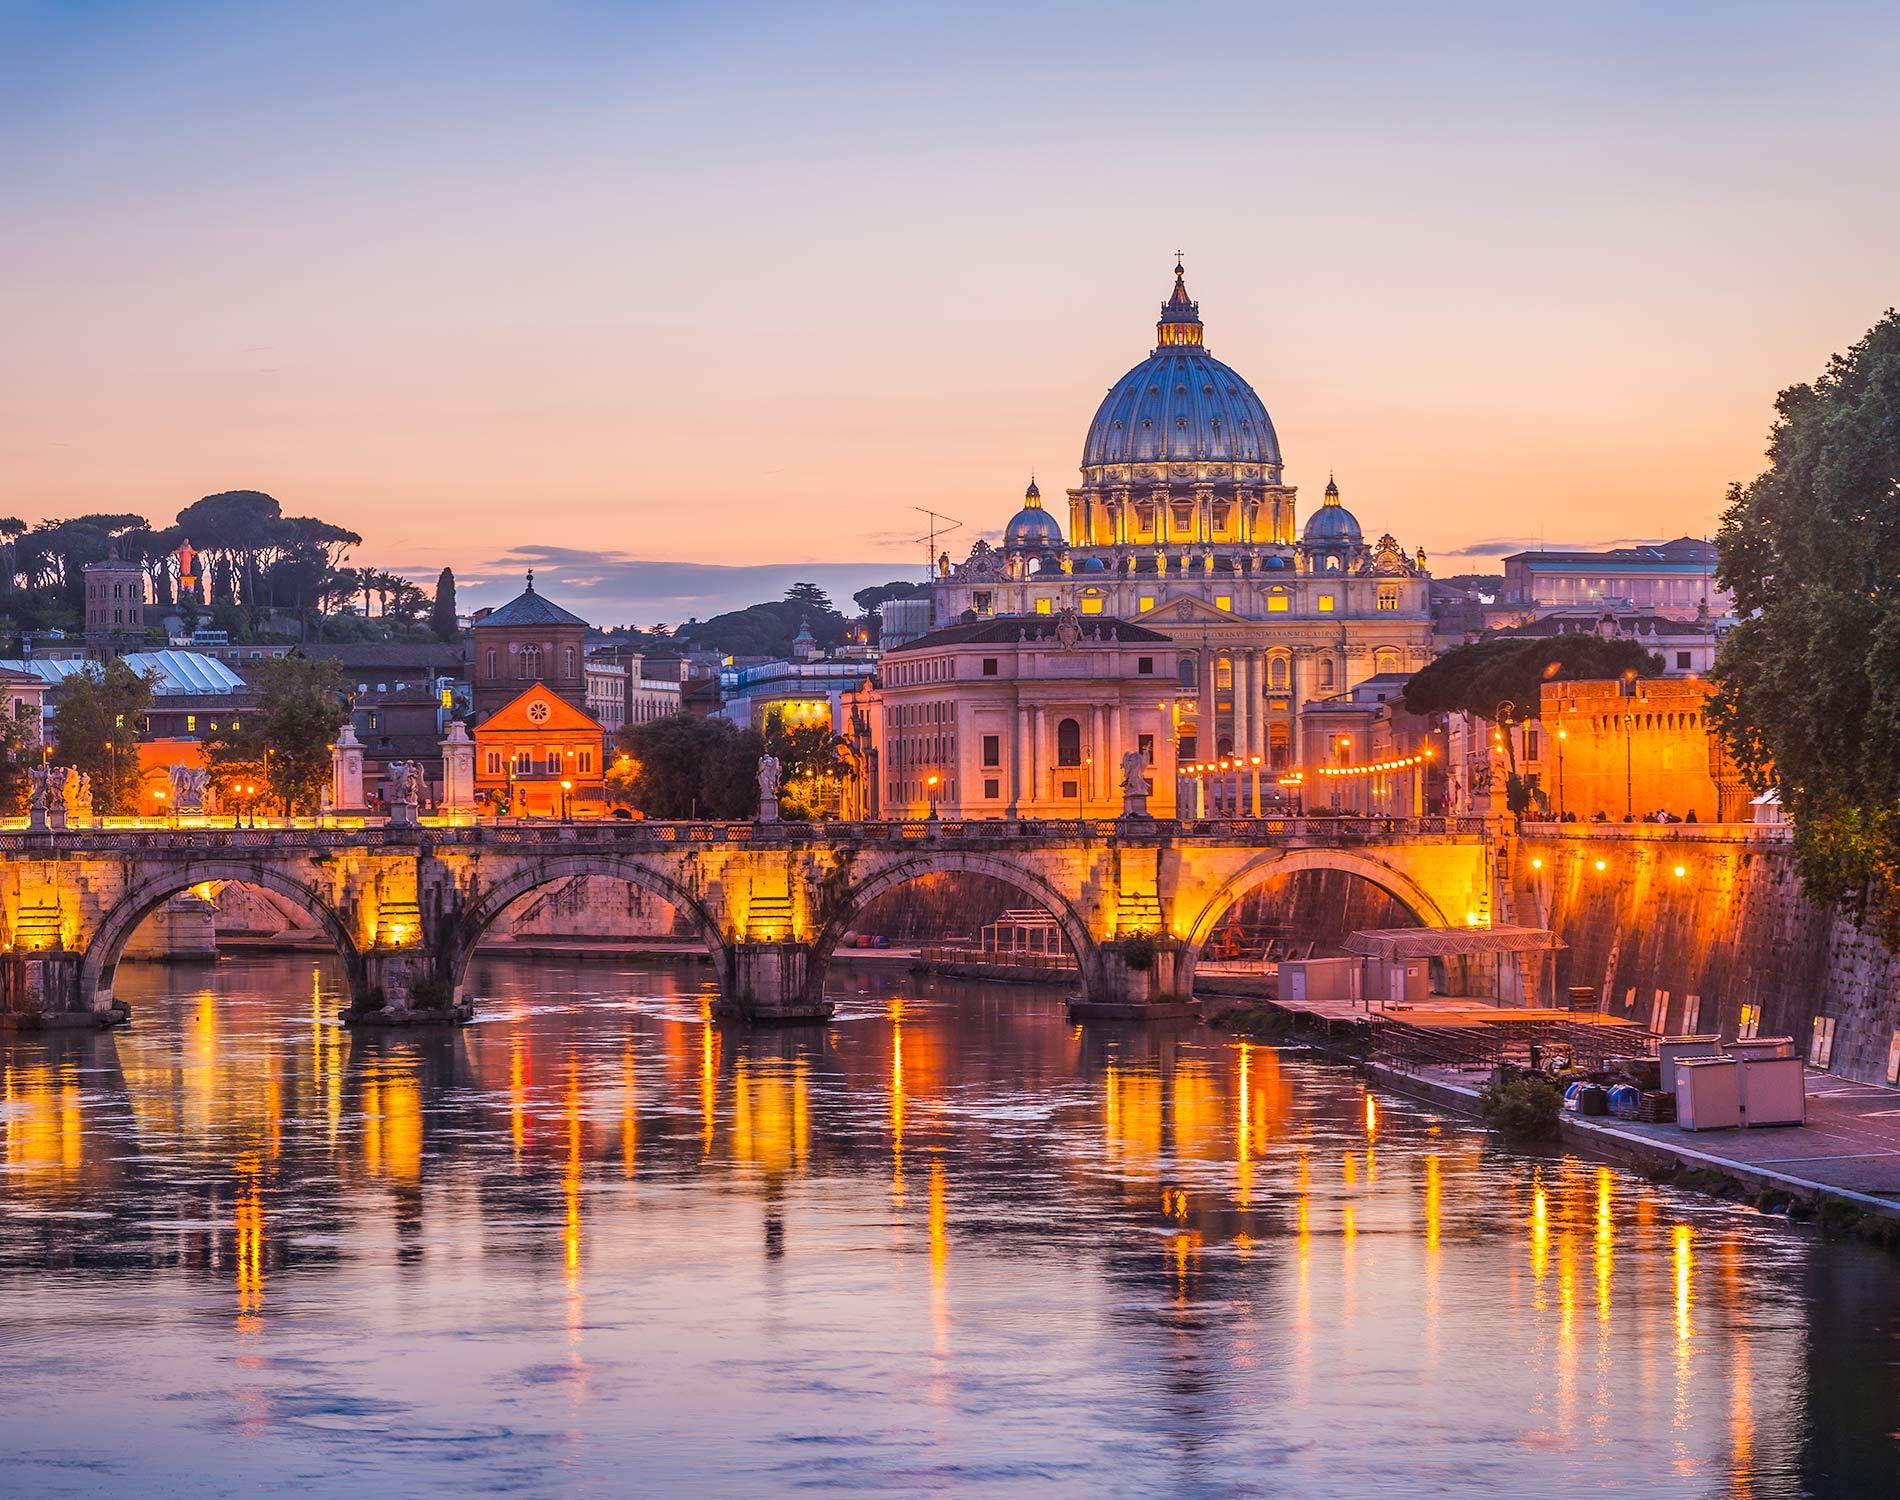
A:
[951,1242]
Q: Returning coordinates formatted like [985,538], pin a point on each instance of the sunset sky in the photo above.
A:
[611,285]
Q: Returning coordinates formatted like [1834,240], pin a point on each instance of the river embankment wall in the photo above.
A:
[1682,926]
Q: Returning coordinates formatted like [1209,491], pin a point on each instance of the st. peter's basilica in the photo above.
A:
[1183,521]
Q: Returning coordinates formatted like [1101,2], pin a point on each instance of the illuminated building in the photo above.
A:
[1674,578]
[1024,717]
[529,639]
[1183,521]
[115,606]
[540,757]
[811,691]
[1631,748]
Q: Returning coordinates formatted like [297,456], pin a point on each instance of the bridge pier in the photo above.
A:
[402,987]
[771,982]
[1135,978]
[43,991]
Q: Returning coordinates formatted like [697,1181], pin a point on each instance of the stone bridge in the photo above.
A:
[1136,899]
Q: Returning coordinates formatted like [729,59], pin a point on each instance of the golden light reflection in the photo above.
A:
[518,1098]
[1605,1252]
[1243,1133]
[708,1084]
[629,1109]
[1540,1228]
[392,1122]
[897,1101]
[571,1176]
[248,1218]
[939,1259]
[44,1130]
[1682,1256]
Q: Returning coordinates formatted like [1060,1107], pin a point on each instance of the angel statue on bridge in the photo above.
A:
[1134,784]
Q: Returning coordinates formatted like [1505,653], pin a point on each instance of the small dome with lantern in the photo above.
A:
[1032,529]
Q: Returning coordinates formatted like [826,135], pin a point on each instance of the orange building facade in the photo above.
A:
[1630,749]
[540,757]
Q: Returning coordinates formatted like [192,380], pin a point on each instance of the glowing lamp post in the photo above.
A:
[567,801]
[930,794]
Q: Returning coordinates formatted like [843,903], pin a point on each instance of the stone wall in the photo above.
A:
[591,906]
[1732,929]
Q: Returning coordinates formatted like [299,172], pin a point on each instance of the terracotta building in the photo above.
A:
[1022,717]
[529,639]
[1631,749]
[540,757]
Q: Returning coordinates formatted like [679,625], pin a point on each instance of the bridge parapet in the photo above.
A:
[406,907]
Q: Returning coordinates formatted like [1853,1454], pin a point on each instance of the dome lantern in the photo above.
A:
[1180,316]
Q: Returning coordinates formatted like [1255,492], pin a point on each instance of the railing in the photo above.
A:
[637,834]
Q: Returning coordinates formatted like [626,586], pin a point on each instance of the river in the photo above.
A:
[950,1244]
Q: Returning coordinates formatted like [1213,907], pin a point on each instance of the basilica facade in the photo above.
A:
[1183,522]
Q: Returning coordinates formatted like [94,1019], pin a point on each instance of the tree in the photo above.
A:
[96,722]
[1808,692]
[442,611]
[686,767]
[869,599]
[1478,678]
[283,742]
[19,751]
[811,767]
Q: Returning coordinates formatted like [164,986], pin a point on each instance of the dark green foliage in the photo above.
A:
[1809,681]
[1478,678]
[810,760]
[442,610]
[96,721]
[1519,791]
[768,629]
[869,599]
[1138,953]
[685,767]
[1524,1108]
[283,742]
[1262,1023]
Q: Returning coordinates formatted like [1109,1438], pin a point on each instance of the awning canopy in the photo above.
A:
[1393,943]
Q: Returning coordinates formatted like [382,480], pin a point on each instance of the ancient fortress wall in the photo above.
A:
[1732,929]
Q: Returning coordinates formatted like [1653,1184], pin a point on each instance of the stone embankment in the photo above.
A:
[1705,927]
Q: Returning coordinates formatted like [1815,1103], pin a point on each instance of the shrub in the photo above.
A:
[1138,952]
[1524,1109]
[431,993]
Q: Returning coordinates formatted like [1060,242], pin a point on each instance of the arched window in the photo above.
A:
[569,672]
[1277,672]
[1332,565]
[491,661]
[530,665]
[1325,673]
[1385,659]
[1224,674]
[1189,671]
[1068,743]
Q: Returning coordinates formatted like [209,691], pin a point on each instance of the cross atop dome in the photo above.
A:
[1180,315]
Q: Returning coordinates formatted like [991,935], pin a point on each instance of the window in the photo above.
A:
[1144,604]
[1325,674]
[553,762]
[1327,603]
[1388,597]
[1276,672]
[1224,675]
[1530,744]
[584,760]
[980,601]
[992,750]
[1091,606]
[1749,1027]
[1821,1044]
[1144,666]
[1187,672]
[1145,743]
[1069,789]
[524,762]
[372,721]
[1276,602]
[1332,565]
[1042,606]
[989,666]
[191,723]
[1682,661]
[992,789]
[1224,601]
[1068,743]
[494,762]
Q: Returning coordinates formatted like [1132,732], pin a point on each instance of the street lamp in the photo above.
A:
[930,793]
[567,801]
[1255,760]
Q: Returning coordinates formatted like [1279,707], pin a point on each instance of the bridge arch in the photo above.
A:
[99,967]
[1276,864]
[836,920]
[478,916]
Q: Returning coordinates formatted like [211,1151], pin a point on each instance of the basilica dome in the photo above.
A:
[1032,528]
[1181,404]
[1332,522]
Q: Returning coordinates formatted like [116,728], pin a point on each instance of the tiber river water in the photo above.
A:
[952,1244]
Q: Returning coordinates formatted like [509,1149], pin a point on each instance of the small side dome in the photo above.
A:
[1032,529]
[1332,522]
[1094,565]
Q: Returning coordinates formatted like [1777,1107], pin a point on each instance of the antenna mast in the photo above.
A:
[929,539]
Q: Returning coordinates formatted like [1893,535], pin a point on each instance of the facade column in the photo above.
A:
[1038,742]
[1018,760]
